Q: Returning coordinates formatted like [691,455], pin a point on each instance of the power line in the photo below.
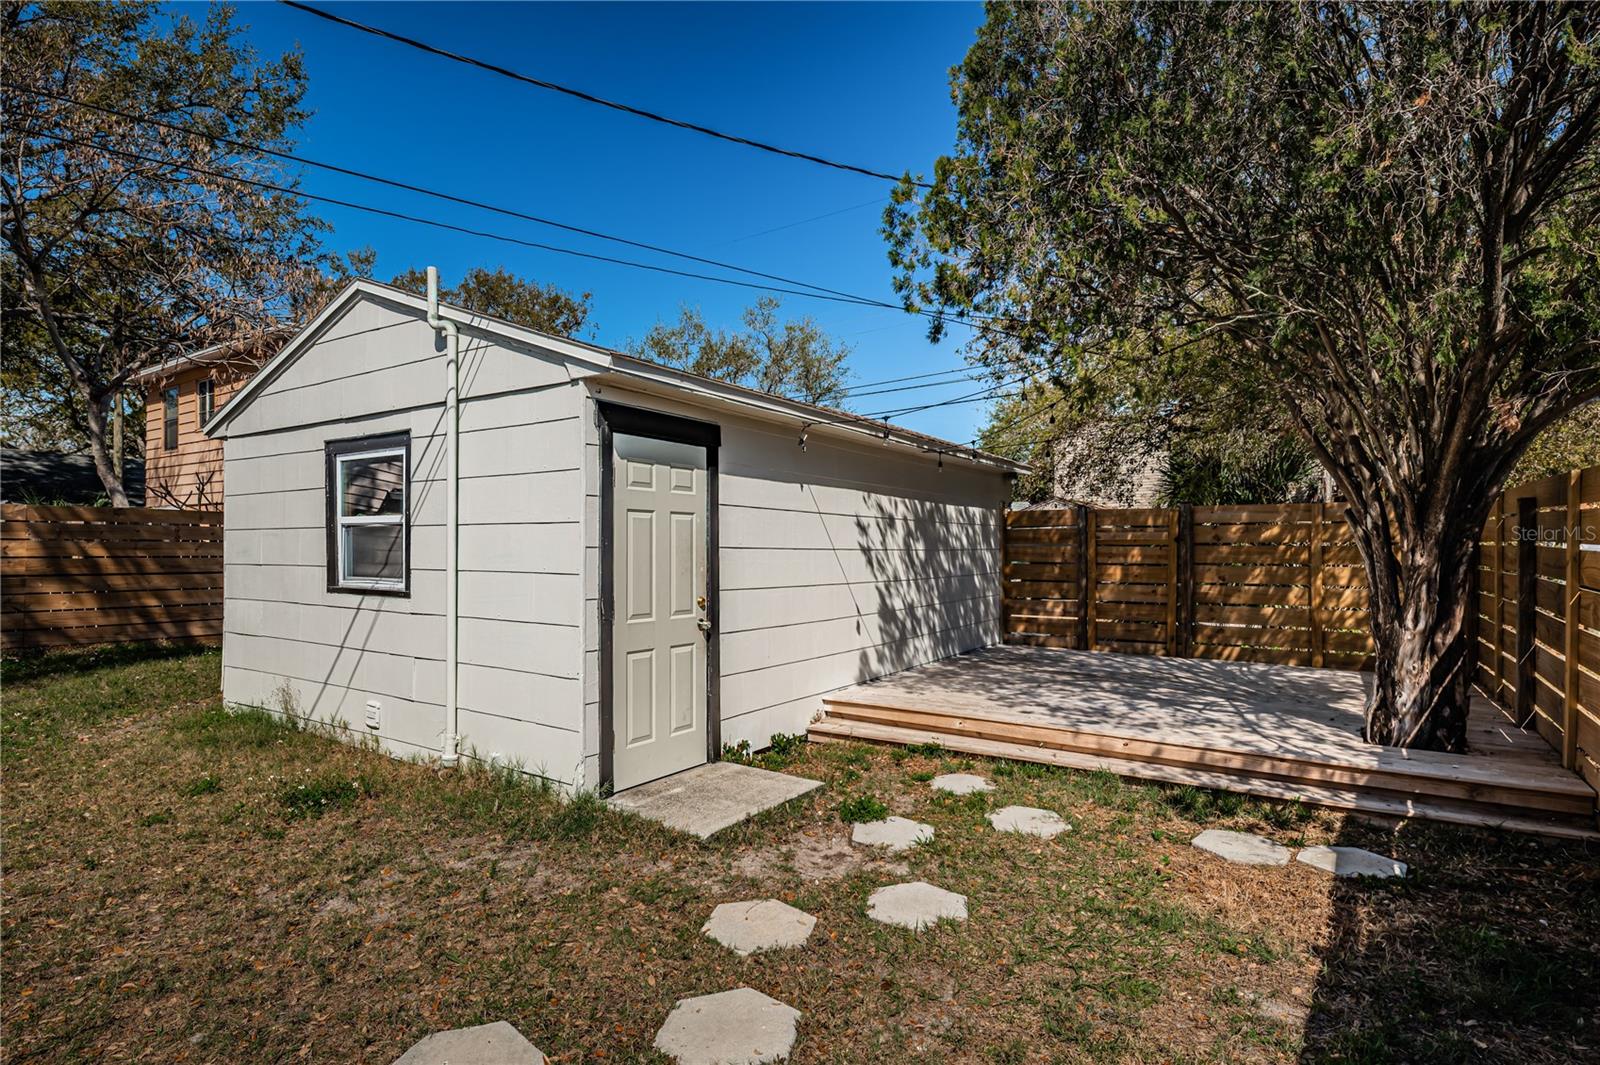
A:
[1023,419]
[914,377]
[437,194]
[420,220]
[588,97]
[841,295]
[988,392]
[802,222]
[857,392]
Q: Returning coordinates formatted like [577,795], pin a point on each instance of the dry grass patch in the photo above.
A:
[184,884]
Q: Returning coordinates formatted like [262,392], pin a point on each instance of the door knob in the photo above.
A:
[704,623]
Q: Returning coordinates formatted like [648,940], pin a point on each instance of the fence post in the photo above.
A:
[1185,550]
[1569,687]
[1172,581]
[1319,641]
[1527,603]
[1499,619]
[1091,638]
[1083,576]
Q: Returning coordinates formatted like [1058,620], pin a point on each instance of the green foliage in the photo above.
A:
[862,808]
[207,784]
[1571,444]
[499,293]
[49,698]
[315,797]
[120,261]
[216,727]
[784,749]
[794,359]
[1226,470]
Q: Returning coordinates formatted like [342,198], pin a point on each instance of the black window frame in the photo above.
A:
[205,401]
[169,418]
[333,450]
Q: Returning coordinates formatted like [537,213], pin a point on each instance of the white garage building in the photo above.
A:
[650,563]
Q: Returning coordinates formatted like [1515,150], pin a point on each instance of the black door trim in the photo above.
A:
[634,421]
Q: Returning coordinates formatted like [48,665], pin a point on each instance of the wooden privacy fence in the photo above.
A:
[1538,624]
[74,576]
[1284,584]
[1271,583]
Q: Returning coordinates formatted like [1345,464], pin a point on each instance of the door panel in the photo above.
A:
[658,646]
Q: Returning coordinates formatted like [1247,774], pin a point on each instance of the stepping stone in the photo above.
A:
[484,1044]
[1351,861]
[960,783]
[739,1027]
[762,924]
[1029,820]
[1241,848]
[896,833]
[916,905]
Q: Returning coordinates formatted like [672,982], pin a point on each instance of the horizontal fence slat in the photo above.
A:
[78,576]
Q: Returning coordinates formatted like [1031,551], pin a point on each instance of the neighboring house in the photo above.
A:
[183,466]
[49,477]
[1084,473]
[652,563]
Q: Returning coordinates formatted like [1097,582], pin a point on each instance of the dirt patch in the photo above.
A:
[820,855]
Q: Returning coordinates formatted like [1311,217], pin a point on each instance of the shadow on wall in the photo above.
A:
[934,573]
[1489,951]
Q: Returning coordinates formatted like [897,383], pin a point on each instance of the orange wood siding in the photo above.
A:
[189,475]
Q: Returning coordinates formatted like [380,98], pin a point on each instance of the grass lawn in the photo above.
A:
[182,884]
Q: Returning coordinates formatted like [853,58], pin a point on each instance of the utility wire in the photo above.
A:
[843,296]
[861,390]
[588,97]
[420,220]
[844,418]
[988,392]
[914,377]
[407,186]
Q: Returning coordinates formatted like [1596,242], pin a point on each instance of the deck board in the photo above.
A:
[1283,723]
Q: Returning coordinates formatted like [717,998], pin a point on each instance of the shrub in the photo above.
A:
[862,808]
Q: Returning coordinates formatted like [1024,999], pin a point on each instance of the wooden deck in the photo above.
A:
[1278,731]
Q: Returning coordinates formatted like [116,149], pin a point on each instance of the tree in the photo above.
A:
[499,293]
[1570,444]
[1215,440]
[795,358]
[133,244]
[1380,218]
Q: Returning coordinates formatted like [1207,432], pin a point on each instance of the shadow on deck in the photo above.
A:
[1285,732]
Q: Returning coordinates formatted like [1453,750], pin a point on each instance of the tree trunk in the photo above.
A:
[1420,611]
[99,432]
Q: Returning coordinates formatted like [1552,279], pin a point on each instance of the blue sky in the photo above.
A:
[863,83]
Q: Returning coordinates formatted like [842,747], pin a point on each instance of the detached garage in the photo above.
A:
[645,564]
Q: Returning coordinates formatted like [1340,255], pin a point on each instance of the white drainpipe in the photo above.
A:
[452,580]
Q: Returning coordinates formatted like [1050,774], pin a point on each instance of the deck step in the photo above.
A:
[1527,789]
[833,729]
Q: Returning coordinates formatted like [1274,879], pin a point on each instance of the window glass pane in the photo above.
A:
[169,418]
[374,552]
[203,392]
[373,485]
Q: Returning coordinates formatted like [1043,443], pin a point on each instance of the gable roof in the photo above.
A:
[613,364]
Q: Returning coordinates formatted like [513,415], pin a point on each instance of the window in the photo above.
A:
[368,482]
[206,397]
[169,419]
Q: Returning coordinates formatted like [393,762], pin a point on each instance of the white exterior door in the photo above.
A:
[659,631]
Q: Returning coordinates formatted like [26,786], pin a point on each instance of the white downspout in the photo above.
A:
[452,580]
